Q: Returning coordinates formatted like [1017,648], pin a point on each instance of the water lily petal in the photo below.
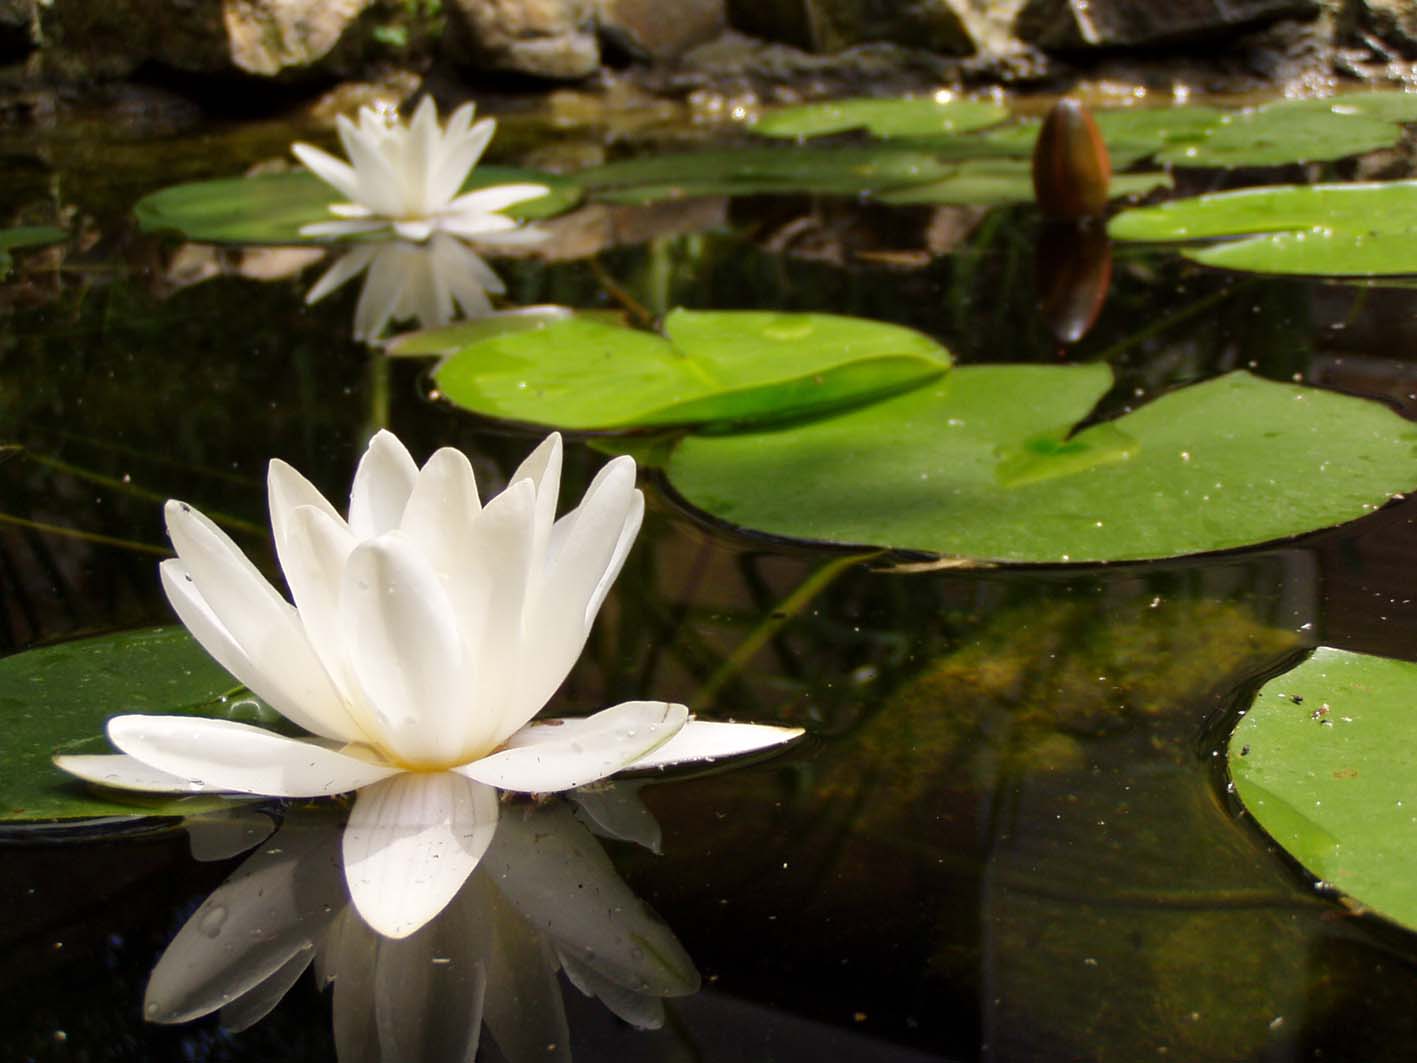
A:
[350,264]
[543,468]
[118,771]
[712,740]
[238,758]
[563,883]
[334,172]
[586,550]
[520,236]
[406,650]
[467,277]
[337,229]
[350,210]
[242,940]
[437,519]
[525,1010]
[643,1011]
[615,810]
[553,755]
[383,291]
[286,491]
[316,551]
[497,570]
[475,225]
[496,198]
[203,624]
[419,158]
[283,668]
[461,149]
[416,229]
[379,182]
[411,842]
[382,484]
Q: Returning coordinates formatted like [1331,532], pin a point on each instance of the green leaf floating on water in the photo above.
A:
[1318,230]
[724,366]
[979,465]
[272,208]
[1326,762]
[25,236]
[911,117]
[1288,131]
[990,182]
[58,698]
[845,170]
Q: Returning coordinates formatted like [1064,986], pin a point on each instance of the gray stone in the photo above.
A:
[267,38]
[1387,22]
[1076,25]
[544,38]
[641,28]
[831,25]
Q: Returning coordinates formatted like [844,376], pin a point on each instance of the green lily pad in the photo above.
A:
[915,117]
[989,182]
[273,208]
[843,170]
[1326,762]
[1287,131]
[58,698]
[587,374]
[1319,230]
[1131,134]
[25,236]
[980,464]
[1297,131]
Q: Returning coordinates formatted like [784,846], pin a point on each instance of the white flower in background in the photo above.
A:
[408,176]
[427,631]
[430,283]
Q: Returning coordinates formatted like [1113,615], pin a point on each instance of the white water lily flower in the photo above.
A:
[427,631]
[408,176]
[430,283]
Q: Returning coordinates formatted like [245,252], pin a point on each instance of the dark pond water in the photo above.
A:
[1008,836]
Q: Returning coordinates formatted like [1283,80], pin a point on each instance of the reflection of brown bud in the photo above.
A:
[1072,268]
[1071,169]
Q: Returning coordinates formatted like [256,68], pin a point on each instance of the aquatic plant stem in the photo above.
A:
[770,625]
[89,537]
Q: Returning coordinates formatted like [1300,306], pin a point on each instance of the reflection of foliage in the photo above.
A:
[1040,681]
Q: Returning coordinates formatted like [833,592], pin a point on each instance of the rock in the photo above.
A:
[831,25]
[287,38]
[1079,25]
[640,28]
[269,36]
[544,38]
[1391,22]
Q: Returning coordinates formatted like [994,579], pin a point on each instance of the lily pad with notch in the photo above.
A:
[273,208]
[1327,230]
[585,373]
[58,698]
[984,464]
[1324,760]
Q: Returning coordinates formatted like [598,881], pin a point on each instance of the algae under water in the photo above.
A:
[1009,837]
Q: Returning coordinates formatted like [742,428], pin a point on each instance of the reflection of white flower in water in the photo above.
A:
[430,283]
[408,176]
[428,630]
[545,897]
